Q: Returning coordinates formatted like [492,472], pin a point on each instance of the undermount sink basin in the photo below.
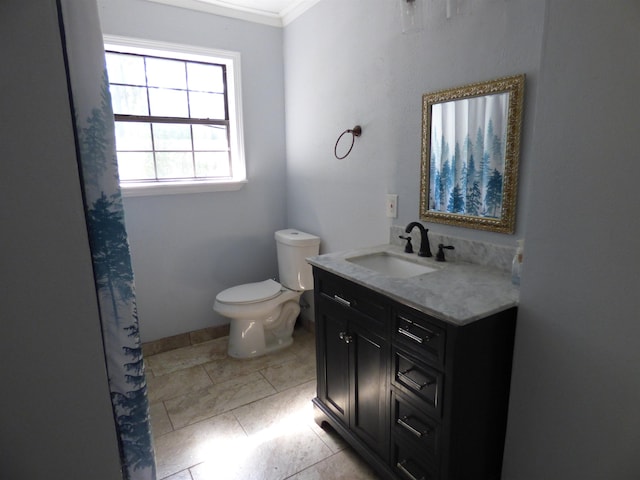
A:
[391,265]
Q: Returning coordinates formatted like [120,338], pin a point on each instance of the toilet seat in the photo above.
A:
[250,293]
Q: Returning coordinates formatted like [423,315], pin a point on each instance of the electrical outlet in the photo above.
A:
[392,205]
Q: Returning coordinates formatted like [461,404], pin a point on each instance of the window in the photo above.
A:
[177,117]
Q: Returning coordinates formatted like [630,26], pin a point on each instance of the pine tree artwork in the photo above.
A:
[456,202]
[467,157]
[493,198]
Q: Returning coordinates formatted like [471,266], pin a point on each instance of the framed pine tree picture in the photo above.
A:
[470,154]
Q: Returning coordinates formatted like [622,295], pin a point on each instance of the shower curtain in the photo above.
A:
[95,143]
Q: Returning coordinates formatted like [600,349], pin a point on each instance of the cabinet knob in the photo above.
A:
[346,338]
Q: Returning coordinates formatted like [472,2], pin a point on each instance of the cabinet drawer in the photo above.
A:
[409,463]
[411,424]
[354,297]
[416,332]
[417,379]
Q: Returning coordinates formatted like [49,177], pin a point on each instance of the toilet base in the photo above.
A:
[249,338]
[269,348]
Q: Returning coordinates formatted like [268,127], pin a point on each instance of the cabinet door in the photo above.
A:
[369,416]
[333,379]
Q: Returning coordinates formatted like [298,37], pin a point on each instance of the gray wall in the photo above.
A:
[56,420]
[576,380]
[576,387]
[187,248]
[367,72]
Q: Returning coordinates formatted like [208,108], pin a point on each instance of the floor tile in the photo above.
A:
[184,475]
[290,374]
[189,446]
[160,423]
[292,406]
[223,369]
[273,453]
[217,398]
[185,357]
[345,465]
[177,384]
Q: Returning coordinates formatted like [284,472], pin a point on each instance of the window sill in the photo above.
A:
[143,189]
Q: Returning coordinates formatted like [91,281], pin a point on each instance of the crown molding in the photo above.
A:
[222,8]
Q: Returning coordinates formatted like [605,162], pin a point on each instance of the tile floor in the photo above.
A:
[218,418]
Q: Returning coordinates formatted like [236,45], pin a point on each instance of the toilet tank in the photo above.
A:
[293,247]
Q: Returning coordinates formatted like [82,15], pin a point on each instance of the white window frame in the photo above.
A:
[234,95]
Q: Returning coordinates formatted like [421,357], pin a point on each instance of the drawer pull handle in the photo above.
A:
[342,301]
[413,337]
[403,422]
[427,335]
[344,337]
[403,469]
[407,378]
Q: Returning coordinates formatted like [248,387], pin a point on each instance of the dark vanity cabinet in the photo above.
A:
[354,371]
[417,397]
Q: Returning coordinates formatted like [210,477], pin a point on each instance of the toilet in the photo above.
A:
[262,314]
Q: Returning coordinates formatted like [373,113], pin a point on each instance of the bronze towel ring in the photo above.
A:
[355,132]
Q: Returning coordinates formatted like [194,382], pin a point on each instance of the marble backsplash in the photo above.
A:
[472,251]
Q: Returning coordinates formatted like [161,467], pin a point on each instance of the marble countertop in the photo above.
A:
[457,292]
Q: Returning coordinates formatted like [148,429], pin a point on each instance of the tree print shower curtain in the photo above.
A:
[95,140]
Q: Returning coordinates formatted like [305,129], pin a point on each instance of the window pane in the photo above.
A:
[129,100]
[210,137]
[136,166]
[168,103]
[166,73]
[174,164]
[127,69]
[206,78]
[212,164]
[133,136]
[206,105]
[155,97]
[170,136]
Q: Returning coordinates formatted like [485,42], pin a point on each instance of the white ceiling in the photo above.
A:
[270,12]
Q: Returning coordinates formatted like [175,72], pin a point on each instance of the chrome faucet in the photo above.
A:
[425,249]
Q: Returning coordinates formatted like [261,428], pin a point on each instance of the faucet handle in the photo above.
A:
[440,254]
[408,248]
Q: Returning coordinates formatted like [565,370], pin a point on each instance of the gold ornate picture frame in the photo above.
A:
[470,154]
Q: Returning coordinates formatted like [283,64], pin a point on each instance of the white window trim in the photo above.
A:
[234,95]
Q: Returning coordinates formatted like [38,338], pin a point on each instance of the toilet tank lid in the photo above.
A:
[250,292]
[294,237]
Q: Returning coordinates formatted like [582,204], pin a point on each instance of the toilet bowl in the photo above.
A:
[262,315]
